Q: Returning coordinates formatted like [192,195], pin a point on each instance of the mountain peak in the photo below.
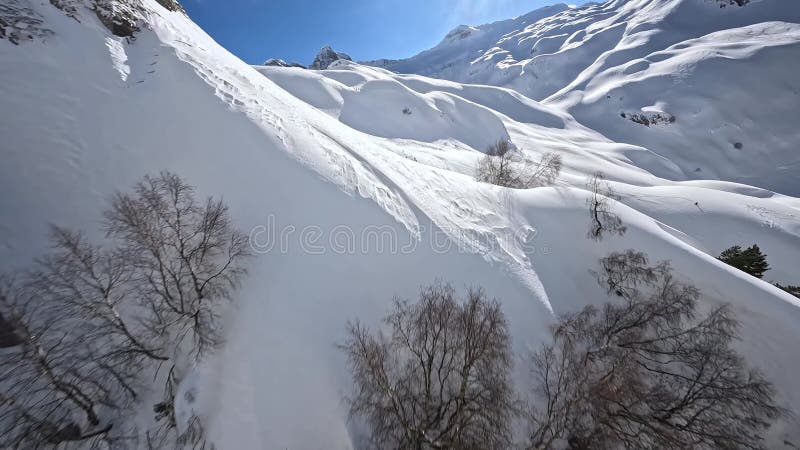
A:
[326,56]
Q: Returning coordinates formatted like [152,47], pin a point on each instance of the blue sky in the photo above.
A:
[295,30]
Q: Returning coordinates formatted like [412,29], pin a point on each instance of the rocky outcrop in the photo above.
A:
[724,3]
[171,5]
[460,32]
[121,17]
[275,62]
[18,23]
[326,57]
[649,118]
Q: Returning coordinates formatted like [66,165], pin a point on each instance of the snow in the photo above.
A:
[321,165]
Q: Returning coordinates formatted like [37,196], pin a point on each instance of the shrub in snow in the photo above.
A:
[749,260]
[647,371]
[505,166]
[439,377]
[603,219]
[86,331]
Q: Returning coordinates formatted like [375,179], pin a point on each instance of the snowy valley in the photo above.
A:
[356,182]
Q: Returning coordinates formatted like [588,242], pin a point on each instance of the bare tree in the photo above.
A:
[604,220]
[76,349]
[187,259]
[87,329]
[505,166]
[648,371]
[52,392]
[440,380]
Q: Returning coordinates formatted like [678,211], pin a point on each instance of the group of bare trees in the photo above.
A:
[89,329]
[646,370]
[506,166]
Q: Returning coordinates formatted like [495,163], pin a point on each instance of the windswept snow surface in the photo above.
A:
[357,185]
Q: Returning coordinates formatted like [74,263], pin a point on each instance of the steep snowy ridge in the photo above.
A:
[362,149]
[456,57]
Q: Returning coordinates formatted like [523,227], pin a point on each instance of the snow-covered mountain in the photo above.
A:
[688,108]
[720,76]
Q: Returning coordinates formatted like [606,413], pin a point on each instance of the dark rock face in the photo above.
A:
[70,7]
[275,62]
[120,17]
[326,57]
[171,5]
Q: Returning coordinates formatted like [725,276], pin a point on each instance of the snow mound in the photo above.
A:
[377,104]
[425,117]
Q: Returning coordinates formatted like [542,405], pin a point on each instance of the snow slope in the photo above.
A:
[389,194]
